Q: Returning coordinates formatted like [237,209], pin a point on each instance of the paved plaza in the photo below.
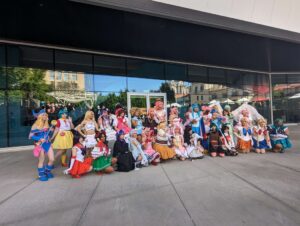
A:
[249,190]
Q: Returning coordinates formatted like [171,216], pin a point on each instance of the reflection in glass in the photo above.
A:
[216,76]
[71,61]
[32,57]
[138,104]
[2,77]
[280,102]
[176,72]
[293,109]
[197,74]
[145,69]
[2,56]
[107,83]
[144,85]
[3,120]
[110,99]
[109,65]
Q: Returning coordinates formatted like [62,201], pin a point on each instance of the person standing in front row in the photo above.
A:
[40,134]
[63,137]
[88,128]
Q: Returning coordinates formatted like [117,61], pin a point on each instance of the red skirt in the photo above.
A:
[80,168]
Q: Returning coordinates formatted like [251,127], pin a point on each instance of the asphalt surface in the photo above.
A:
[249,189]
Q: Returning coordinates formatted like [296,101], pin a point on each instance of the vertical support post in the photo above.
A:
[129,107]
[147,101]
[271,98]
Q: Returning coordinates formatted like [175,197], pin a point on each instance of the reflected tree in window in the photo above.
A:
[30,83]
[165,88]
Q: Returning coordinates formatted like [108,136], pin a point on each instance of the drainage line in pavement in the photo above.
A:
[178,195]
[283,166]
[88,203]
[12,195]
[261,190]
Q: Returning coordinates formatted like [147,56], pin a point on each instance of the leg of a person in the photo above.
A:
[109,170]
[50,157]
[41,168]
[41,159]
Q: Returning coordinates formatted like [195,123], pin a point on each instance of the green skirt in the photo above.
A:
[101,163]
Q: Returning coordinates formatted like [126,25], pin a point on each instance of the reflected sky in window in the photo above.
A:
[107,83]
[144,85]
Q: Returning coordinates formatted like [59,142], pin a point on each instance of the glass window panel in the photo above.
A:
[182,92]
[108,83]
[293,110]
[2,67]
[29,79]
[76,101]
[145,69]
[109,65]
[71,61]
[249,81]
[20,106]
[51,76]
[144,85]
[216,76]
[153,100]
[256,84]
[23,56]
[110,100]
[74,76]
[293,78]
[176,72]
[197,74]
[293,97]
[20,117]
[234,79]
[3,120]
[280,109]
[58,75]
[200,99]
[280,87]
[2,56]
[293,86]
[2,77]
[66,76]
[64,81]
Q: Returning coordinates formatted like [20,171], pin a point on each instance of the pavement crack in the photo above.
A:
[17,192]
[180,199]
[259,189]
[79,222]
[283,166]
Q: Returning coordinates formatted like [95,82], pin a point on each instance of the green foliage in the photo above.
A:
[165,88]
[28,82]
[112,99]
[108,101]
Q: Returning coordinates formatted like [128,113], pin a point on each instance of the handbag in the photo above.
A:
[36,151]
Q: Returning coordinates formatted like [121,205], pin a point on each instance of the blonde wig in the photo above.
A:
[40,123]
[88,115]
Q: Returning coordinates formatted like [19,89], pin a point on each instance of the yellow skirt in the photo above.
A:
[63,140]
[164,151]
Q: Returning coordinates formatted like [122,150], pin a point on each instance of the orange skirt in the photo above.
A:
[80,168]
[164,151]
[243,145]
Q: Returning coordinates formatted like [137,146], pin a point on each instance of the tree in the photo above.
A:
[165,88]
[28,83]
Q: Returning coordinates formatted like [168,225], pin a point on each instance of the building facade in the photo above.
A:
[108,49]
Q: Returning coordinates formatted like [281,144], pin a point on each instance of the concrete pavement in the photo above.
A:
[249,190]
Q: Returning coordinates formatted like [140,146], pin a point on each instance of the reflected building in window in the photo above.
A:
[182,92]
[66,80]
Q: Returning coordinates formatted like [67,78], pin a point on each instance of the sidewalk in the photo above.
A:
[245,190]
